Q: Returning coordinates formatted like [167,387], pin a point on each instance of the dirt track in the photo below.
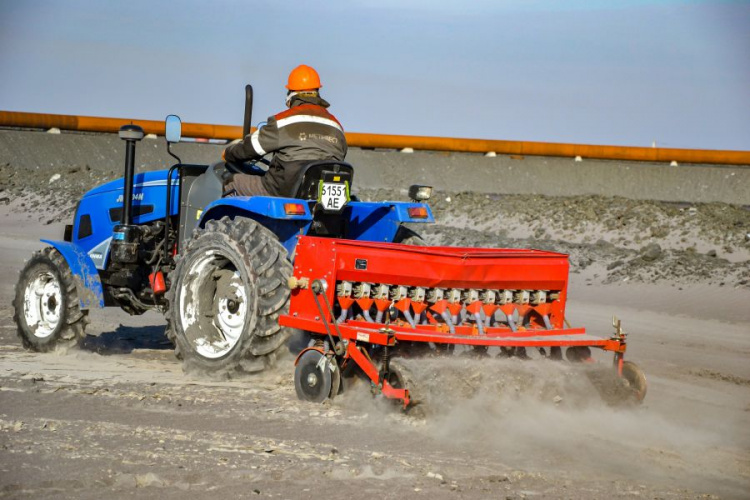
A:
[119,418]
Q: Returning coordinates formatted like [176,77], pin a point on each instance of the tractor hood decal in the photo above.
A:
[100,253]
[141,180]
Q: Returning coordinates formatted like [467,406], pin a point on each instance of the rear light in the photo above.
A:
[418,212]
[294,209]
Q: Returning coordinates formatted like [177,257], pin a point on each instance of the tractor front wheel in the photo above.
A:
[229,289]
[47,311]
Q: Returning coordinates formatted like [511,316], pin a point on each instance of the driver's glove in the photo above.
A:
[223,153]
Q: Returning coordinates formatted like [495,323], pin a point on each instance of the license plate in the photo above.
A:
[333,195]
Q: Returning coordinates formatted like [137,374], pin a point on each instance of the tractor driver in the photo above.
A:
[304,133]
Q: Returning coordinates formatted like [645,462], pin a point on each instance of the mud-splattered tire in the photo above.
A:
[636,380]
[229,288]
[172,337]
[406,236]
[47,311]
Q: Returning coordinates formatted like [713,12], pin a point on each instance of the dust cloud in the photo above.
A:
[559,417]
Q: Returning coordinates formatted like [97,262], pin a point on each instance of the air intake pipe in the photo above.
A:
[126,236]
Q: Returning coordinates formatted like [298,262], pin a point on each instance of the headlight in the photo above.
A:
[420,193]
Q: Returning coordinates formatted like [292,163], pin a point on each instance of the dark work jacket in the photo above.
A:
[304,133]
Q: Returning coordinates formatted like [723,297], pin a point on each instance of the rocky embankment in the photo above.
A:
[610,239]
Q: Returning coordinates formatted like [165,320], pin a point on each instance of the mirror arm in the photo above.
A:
[167,249]
[169,150]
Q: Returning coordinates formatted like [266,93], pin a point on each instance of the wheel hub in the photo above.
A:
[43,304]
[213,305]
[314,377]
[231,302]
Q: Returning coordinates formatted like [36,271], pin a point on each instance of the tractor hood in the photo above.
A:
[141,180]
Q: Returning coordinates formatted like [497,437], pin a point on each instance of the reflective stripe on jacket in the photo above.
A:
[305,132]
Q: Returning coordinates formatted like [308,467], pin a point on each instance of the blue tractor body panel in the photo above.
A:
[379,221]
[100,210]
[367,221]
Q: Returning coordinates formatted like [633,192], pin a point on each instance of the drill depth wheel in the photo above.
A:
[635,379]
[316,378]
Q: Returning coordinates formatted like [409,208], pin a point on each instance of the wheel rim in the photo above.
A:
[396,379]
[43,304]
[213,305]
[313,378]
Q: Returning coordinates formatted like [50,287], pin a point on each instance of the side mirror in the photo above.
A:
[420,193]
[173,127]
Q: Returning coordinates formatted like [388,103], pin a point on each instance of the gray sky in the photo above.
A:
[596,72]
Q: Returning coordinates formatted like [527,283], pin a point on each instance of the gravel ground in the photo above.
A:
[615,239]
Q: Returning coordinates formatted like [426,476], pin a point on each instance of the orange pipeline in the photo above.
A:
[354,139]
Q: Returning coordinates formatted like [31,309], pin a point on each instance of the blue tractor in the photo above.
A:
[216,266]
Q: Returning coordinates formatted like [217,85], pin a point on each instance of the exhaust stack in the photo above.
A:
[126,236]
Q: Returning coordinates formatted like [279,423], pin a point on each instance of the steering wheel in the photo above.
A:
[248,167]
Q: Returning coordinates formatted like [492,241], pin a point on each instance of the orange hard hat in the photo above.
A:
[303,78]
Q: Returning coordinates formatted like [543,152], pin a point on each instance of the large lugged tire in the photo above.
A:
[228,290]
[47,311]
[406,236]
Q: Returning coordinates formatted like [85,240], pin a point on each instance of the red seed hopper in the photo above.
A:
[365,302]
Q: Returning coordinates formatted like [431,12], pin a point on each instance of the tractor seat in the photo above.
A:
[306,187]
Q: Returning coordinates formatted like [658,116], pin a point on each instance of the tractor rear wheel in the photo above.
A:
[230,288]
[47,311]
[406,236]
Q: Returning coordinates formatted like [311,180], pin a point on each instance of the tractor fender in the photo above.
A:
[88,283]
[402,212]
[380,221]
[255,207]
[268,211]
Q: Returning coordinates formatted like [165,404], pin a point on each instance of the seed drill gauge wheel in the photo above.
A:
[401,378]
[395,377]
[230,288]
[47,309]
[635,379]
[578,354]
[316,378]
